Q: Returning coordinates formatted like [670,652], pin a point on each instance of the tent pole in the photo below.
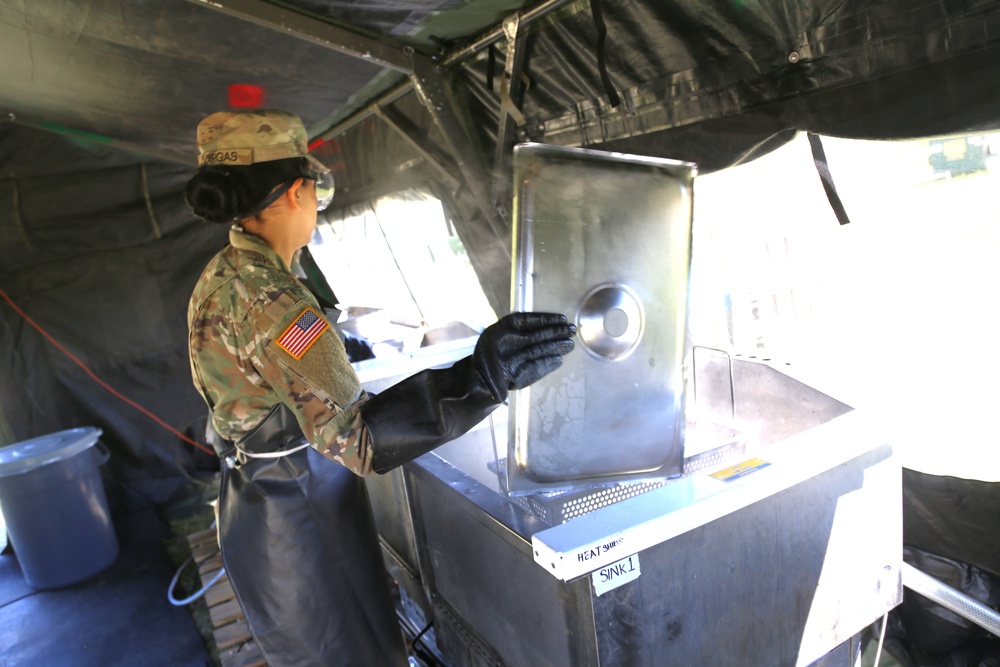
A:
[315,30]
[510,117]
[450,60]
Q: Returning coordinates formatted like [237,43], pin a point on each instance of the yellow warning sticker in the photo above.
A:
[740,470]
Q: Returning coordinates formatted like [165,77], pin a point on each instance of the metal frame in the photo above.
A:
[404,127]
[433,90]
[510,116]
[500,529]
[426,78]
[315,30]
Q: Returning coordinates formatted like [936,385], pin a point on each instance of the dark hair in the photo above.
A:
[223,194]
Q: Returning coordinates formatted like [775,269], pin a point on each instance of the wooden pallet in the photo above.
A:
[229,628]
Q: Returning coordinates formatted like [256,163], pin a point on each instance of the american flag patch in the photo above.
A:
[303,332]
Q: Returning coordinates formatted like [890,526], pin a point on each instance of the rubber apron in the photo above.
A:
[301,551]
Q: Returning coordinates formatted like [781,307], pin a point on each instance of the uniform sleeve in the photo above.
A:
[303,359]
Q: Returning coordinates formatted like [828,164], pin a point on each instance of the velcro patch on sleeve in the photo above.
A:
[302,333]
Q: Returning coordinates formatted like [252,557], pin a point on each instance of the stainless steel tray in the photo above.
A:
[604,238]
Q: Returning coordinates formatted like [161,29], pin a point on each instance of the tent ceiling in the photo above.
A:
[434,93]
[143,73]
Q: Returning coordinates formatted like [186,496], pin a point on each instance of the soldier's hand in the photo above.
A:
[522,348]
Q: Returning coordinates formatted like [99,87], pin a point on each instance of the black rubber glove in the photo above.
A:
[520,349]
[430,408]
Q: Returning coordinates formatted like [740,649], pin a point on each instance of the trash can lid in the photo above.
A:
[27,455]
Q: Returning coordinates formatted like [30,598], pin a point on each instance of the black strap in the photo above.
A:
[602,65]
[819,159]
[270,199]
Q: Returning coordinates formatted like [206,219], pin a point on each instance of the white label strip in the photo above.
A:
[612,576]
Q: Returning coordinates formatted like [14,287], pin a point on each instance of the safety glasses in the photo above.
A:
[324,188]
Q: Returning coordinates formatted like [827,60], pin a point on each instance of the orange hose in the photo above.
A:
[101,382]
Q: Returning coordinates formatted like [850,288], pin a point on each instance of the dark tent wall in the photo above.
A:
[97,246]
[100,251]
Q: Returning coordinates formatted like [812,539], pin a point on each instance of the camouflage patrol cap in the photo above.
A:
[250,137]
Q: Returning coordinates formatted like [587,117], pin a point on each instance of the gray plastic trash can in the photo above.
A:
[55,508]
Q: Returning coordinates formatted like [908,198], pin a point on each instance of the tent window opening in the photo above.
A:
[401,275]
[894,312]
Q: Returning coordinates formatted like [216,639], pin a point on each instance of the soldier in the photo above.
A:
[296,531]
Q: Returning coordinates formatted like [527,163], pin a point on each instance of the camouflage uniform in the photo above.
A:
[296,532]
[246,300]
[243,304]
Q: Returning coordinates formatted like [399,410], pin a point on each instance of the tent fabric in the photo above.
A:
[717,84]
[97,245]
[949,533]
[922,633]
[678,64]
[145,73]
[99,102]
[954,518]
[102,254]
